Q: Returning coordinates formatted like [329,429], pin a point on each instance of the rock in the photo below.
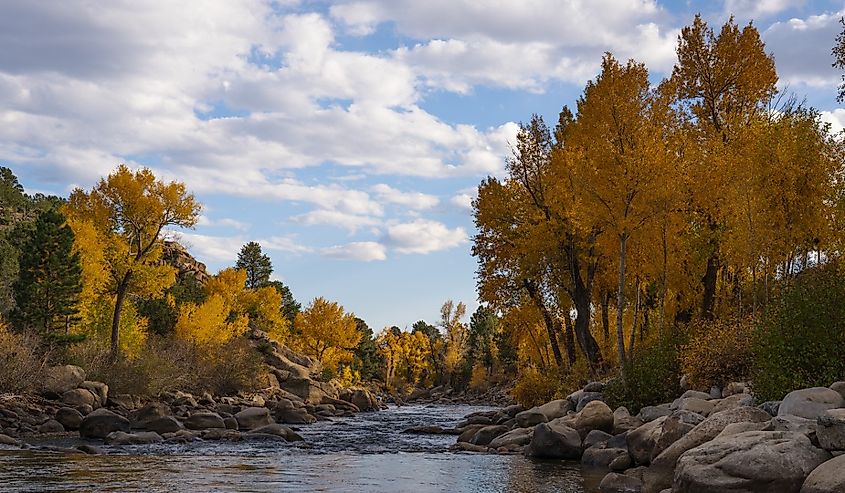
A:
[601,457]
[831,429]
[696,405]
[364,400]
[294,417]
[99,423]
[84,409]
[594,387]
[517,436]
[586,398]
[7,440]
[650,413]
[469,431]
[793,423]
[735,388]
[554,409]
[164,424]
[596,437]
[513,410]
[51,426]
[126,402]
[69,418]
[204,420]
[642,440]
[222,434]
[184,399]
[253,417]
[620,483]
[486,435]
[424,430]
[810,403]
[623,421]
[89,449]
[770,407]
[230,422]
[733,401]
[278,430]
[715,392]
[839,387]
[100,391]
[79,397]
[151,411]
[673,428]
[695,394]
[139,438]
[59,379]
[827,478]
[771,461]
[737,428]
[530,418]
[306,389]
[659,475]
[551,441]
[595,416]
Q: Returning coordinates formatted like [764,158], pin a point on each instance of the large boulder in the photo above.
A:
[554,441]
[164,424]
[620,483]
[277,430]
[149,412]
[733,401]
[101,422]
[659,474]
[601,456]
[623,421]
[554,409]
[696,405]
[516,437]
[827,478]
[596,415]
[830,429]
[294,416]
[530,418]
[364,400]
[59,379]
[770,461]
[486,435]
[650,413]
[69,417]
[79,397]
[204,420]
[100,391]
[138,438]
[810,403]
[253,417]
[641,441]
[839,387]
[309,390]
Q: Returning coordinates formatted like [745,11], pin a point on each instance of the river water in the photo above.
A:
[364,453]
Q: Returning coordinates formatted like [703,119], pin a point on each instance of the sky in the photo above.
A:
[347,137]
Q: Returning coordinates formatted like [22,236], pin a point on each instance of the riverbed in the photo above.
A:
[364,453]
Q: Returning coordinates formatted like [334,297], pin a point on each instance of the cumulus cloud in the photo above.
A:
[802,49]
[364,251]
[224,249]
[424,236]
[411,200]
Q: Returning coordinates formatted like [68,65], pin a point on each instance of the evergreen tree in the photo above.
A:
[367,359]
[256,264]
[290,307]
[48,287]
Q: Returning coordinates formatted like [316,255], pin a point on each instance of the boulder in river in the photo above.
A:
[69,417]
[138,438]
[486,434]
[554,441]
[253,417]
[79,397]
[99,423]
[596,415]
[620,483]
[530,418]
[164,424]
[516,437]
[204,420]
[278,430]
[294,416]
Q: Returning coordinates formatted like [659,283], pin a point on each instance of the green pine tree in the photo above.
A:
[256,264]
[48,286]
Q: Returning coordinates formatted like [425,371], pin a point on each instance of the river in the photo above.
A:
[364,453]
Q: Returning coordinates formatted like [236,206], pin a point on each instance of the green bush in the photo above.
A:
[800,342]
[653,377]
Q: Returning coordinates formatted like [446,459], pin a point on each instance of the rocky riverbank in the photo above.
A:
[716,441]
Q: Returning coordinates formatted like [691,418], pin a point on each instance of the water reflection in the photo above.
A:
[369,455]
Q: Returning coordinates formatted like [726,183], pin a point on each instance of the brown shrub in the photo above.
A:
[20,361]
[718,352]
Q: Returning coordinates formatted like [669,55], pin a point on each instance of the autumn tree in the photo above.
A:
[257,265]
[327,332]
[456,333]
[839,59]
[482,336]
[129,212]
[290,307]
[48,287]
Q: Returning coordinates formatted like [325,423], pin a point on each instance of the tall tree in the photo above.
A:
[129,212]
[839,59]
[482,337]
[290,307]
[49,283]
[327,332]
[256,264]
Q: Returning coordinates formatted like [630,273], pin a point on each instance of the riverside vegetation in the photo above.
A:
[660,274]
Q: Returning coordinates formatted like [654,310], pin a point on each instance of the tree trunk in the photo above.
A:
[605,315]
[620,300]
[582,297]
[709,283]
[632,338]
[570,338]
[534,294]
[122,288]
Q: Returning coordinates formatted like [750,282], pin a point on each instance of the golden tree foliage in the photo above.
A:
[407,357]
[129,211]
[326,332]
[209,322]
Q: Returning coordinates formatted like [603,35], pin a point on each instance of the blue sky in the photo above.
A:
[346,137]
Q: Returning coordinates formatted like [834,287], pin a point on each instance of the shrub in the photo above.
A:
[20,364]
[653,377]
[799,343]
[534,387]
[229,368]
[718,352]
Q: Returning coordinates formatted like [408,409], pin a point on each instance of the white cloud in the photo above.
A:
[463,199]
[753,9]
[204,220]
[349,222]
[424,236]
[836,118]
[209,248]
[802,49]
[411,200]
[364,251]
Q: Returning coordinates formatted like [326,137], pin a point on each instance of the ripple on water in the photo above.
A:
[366,453]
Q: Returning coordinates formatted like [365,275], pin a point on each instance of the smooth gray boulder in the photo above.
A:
[164,424]
[99,423]
[204,420]
[253,417]
[138,438]
[278,430]
[59,379]
[596,415]
[827,478]
[530,418]
[770,461]
[554,409]
[830,429]
[486,435]
[69,417]
[553,441]
[620,483]
[810,403]
[517,436]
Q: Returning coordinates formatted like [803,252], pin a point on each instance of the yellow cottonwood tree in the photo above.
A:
[326,332]
[129,212]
